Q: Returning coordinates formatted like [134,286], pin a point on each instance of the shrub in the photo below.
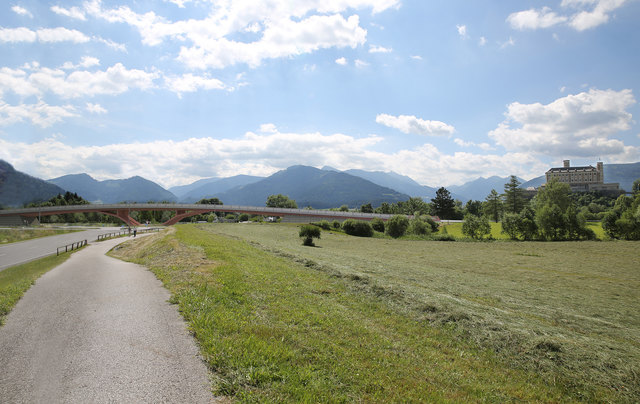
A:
[336,224]
[377,224]
[323,224]
[444,237]
[419,227]
[434,226]
[357,228]
[475,227]
[308,232]
[397,226]
[230,217]
[243,217]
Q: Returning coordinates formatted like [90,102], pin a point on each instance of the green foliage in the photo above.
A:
[231,217]
[476,227]
[344,208]
[624,220]
[210,201]
[357,228]
[473,207]
[281,201]
[323,224]
[443,204]
[493,206]
[556,215]
[511,225]
[635,188]
[513,199]
[419,227]
[367,208]
[243,217]
[308,232]
[336,224]
[397,226]
[377,224]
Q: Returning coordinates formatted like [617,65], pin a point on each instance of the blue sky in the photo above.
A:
[443,92]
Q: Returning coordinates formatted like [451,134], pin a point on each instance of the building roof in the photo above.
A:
[571,169]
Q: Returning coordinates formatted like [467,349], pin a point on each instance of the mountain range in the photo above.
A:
[134,189]
[318,188]
[18,189]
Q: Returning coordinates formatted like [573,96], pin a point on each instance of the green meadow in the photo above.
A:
[382,320]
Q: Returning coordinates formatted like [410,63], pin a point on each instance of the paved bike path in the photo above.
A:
[96,329]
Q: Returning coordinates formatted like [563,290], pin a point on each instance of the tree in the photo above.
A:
[473,207]
[635,188]
[367,208]
[513,199]
[443,204]
[281,201]
[397,226]
[357,228]
[475,227]
[377,224]
[210,201]
[493,206]
[551,222]
[308,232]
[511,225]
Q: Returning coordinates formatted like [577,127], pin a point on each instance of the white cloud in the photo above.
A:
[178,162]
[411,124]
[268,128]
[464,143]
[416,57]
[189,83]
[462,31]
[482,41]
[581,15]
[507,43]
[39,114]
[360,63]
[578,125]
[288,28]
[95,108]
[20,34]
[379,49]
[111,44]
[46,35]
[73,12]
[89,61]
[535,19]
[114,80]
[341,61]
[22,11]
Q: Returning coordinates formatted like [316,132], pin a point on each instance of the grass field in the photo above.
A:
[14,235]
[455,229]
[16,280]
[384,320]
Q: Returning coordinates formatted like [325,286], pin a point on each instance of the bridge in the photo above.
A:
[123,212]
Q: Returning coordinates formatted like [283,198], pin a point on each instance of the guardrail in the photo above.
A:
[74,246]
[126,232]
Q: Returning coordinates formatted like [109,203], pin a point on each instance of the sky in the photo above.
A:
[441,91]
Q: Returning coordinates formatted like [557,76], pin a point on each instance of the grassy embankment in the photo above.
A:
[15,235]
[16,280]
[393,320]
[455,229]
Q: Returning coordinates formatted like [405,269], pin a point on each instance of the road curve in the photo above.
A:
[24,251]
[96,329]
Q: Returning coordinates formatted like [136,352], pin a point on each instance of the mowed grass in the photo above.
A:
[15,235]
[16,280]
[280,323]
[569,311]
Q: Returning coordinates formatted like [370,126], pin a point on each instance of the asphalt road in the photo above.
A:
[17,253]
[96,329]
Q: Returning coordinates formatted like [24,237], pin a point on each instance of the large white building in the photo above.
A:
[582,179]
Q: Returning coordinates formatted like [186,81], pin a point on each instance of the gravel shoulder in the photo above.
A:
[96,329]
